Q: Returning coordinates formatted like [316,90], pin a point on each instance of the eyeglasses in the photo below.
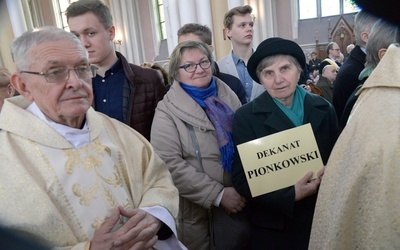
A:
[336,49]
[61,74]
[191,67]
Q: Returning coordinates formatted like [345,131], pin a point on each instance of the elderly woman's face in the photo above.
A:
[280,79]
[201,76]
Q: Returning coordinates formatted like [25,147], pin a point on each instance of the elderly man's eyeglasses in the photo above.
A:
[61,74]
[191,67]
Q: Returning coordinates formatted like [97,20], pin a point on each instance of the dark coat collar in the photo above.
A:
[314,113]
[358,55]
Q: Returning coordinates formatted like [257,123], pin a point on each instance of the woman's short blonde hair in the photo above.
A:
[176,56]
[5,77]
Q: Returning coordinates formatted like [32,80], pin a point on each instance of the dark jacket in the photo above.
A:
[146,90]
[304,76]
[278,222]
[326,87]
[313,65]
[349,106]
[233,82]
[337,63]
[347,79]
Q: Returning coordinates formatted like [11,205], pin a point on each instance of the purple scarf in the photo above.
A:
[220,115]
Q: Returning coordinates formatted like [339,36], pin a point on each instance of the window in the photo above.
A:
[59,8]
[349,7]
[330,8]
[322,8]
[308,9]
[161,19]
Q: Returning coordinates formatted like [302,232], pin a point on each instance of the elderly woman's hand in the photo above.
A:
[321,172]
[306,187]
[232,201]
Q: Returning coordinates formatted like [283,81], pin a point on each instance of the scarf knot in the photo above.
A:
[296,112]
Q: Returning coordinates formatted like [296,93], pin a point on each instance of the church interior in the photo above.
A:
[147,29]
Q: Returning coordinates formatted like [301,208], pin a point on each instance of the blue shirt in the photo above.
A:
[244,76]
[108,92]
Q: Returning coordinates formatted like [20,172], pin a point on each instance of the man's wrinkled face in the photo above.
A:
[330,73]
[64,101]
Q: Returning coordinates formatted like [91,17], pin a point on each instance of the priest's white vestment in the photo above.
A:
[58,194]
[358,205]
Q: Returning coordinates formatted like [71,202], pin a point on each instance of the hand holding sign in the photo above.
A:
[281,160]
[306,186]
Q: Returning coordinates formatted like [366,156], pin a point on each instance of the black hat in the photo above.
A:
[387,9]
[327,62]
[274,46]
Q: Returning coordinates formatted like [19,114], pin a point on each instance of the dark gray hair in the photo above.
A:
[382,35]
[202,31]
[97,7]
[329,47]
[4,77]
[21,46]
[363,22]
[176,56]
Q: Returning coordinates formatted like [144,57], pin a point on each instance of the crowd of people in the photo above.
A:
[99,153]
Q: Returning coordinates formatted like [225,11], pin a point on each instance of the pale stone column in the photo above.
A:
[6,38]
[211,13]
[187,11]
[264,14]
[204,16]
[128,29]
[222,46]
[295,18]
[257,10]
[181,12]
[172,22]
[17,17]
[235,3]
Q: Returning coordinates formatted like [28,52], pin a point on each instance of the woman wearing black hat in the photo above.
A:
[282,219]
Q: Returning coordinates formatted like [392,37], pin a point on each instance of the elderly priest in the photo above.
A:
[72,177]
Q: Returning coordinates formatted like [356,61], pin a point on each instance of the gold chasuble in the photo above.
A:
[59,195]
[358,204]
[89,181]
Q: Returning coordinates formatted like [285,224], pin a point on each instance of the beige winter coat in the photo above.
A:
[172,141]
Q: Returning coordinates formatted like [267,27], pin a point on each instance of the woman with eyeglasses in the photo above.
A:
[192,133]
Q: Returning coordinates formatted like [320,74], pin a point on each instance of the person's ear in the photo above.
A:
[18,83]
[227,33]
[211,48]
[364,37]
[10,90]
[381,53]
[111,32]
